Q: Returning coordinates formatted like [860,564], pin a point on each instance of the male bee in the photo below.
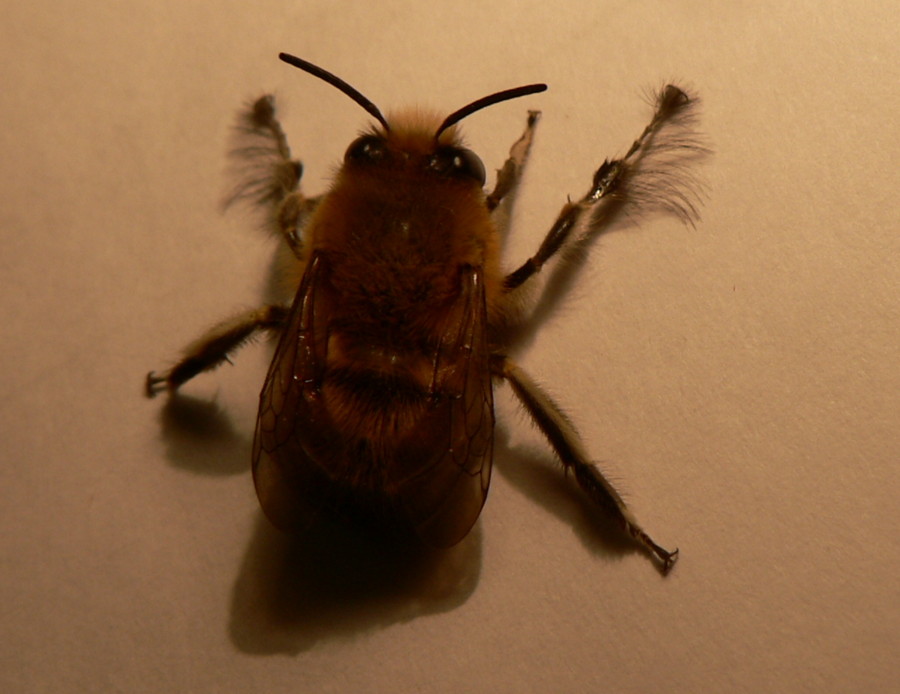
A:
[379,396]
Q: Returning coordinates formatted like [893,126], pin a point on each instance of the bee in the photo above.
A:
[379,396]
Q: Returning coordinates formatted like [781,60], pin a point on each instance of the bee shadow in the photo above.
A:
[335,581]
[560,279]
[200,437]
[543,481]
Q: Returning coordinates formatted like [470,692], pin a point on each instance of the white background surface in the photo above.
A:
[740,379]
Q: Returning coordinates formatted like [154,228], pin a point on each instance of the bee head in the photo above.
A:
[413,134]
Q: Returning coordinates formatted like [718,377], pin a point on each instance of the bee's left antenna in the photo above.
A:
[335,81]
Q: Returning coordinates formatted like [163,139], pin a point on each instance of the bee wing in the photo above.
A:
[444,495]
[284,484]
[436,476]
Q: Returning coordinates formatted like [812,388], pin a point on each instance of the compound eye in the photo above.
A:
[367,149]
[458,163]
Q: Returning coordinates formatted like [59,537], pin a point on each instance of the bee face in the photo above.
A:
[379,396]
[406,211]
[412,150]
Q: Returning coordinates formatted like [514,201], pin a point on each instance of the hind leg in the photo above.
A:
[568,447]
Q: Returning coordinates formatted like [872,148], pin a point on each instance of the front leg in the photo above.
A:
[509,176]
[212,348]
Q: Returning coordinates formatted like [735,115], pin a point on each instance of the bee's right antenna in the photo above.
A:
[486,101]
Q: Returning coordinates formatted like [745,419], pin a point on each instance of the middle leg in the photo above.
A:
[268,175]
[621,180]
